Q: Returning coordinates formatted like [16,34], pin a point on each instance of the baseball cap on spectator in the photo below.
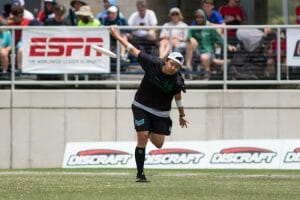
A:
[80,1]
[84,11]
[177,57]
[18,2]
[112,9]
[174,10]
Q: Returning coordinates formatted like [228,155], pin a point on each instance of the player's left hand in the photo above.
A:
[183,122]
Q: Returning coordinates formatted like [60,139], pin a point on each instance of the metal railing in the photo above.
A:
[120,78]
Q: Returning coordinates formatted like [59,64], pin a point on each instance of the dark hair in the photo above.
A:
[16,10]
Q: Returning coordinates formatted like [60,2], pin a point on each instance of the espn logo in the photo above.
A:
[62,46]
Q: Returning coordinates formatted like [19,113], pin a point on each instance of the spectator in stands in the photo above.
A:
[27,13]
[103,14]
[86,18]
[203,42]
[59,17]
[178,36]
[75,6]
[213,16]
[143,17]
[47,12]
[5,48]
[114,18]
[297,11]
[6,11]
[233,14]
[18,19]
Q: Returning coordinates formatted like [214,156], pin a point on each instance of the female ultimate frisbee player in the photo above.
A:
[152,102]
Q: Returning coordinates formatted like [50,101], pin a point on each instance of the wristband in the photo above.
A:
[183,115]
[178,103]
[129,47]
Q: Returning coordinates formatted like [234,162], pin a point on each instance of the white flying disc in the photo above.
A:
[104,51]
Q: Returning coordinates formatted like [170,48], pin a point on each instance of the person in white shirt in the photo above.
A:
[175,38]
[27,13]
[143,17]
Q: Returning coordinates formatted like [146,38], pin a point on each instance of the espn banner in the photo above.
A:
[293,47]
[218,154]
[54,51]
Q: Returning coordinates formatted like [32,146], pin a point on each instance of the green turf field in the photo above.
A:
[89,184]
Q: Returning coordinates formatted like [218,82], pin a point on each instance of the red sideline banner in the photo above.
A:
[53,51]
[219,154]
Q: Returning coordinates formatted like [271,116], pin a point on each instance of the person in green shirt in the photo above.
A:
[5,48]
[203,41]
[86,18]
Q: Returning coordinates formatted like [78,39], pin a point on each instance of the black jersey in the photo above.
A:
[157,89]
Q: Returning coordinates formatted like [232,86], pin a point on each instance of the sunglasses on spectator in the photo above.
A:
[174,14]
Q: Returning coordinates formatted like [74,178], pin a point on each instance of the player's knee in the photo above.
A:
[158,145]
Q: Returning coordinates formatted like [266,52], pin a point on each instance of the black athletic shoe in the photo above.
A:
[141,178]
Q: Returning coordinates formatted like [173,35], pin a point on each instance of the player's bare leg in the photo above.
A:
[157,139]
[142,139]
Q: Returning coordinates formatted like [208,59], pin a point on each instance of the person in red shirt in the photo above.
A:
[233,14]
[297,10]
[17,19]
[47,12]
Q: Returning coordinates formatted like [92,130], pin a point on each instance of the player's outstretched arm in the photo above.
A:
[182,121]
[116,34]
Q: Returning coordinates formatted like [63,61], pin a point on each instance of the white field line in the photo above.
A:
[41,173]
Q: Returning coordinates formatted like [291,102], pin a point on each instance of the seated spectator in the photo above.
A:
[5,48]
[27,13]
[103,14]
[114,18]
[59,17]
[213,16]
[75,6]
[86,18]
[233,14]
[47,12]
[203,42]
[18,20]
[142,17]
[178,40]
[297,11]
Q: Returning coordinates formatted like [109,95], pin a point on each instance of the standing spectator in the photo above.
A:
[203,41]
[297,10]
[75,6]
[143,17]
[18,20]
[59,17]
[5,48]
[27,13]
[178,40]
[233,14]
[114,18]
[86,18]
[47,12]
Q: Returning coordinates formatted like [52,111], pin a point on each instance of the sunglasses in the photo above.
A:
[175,14]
